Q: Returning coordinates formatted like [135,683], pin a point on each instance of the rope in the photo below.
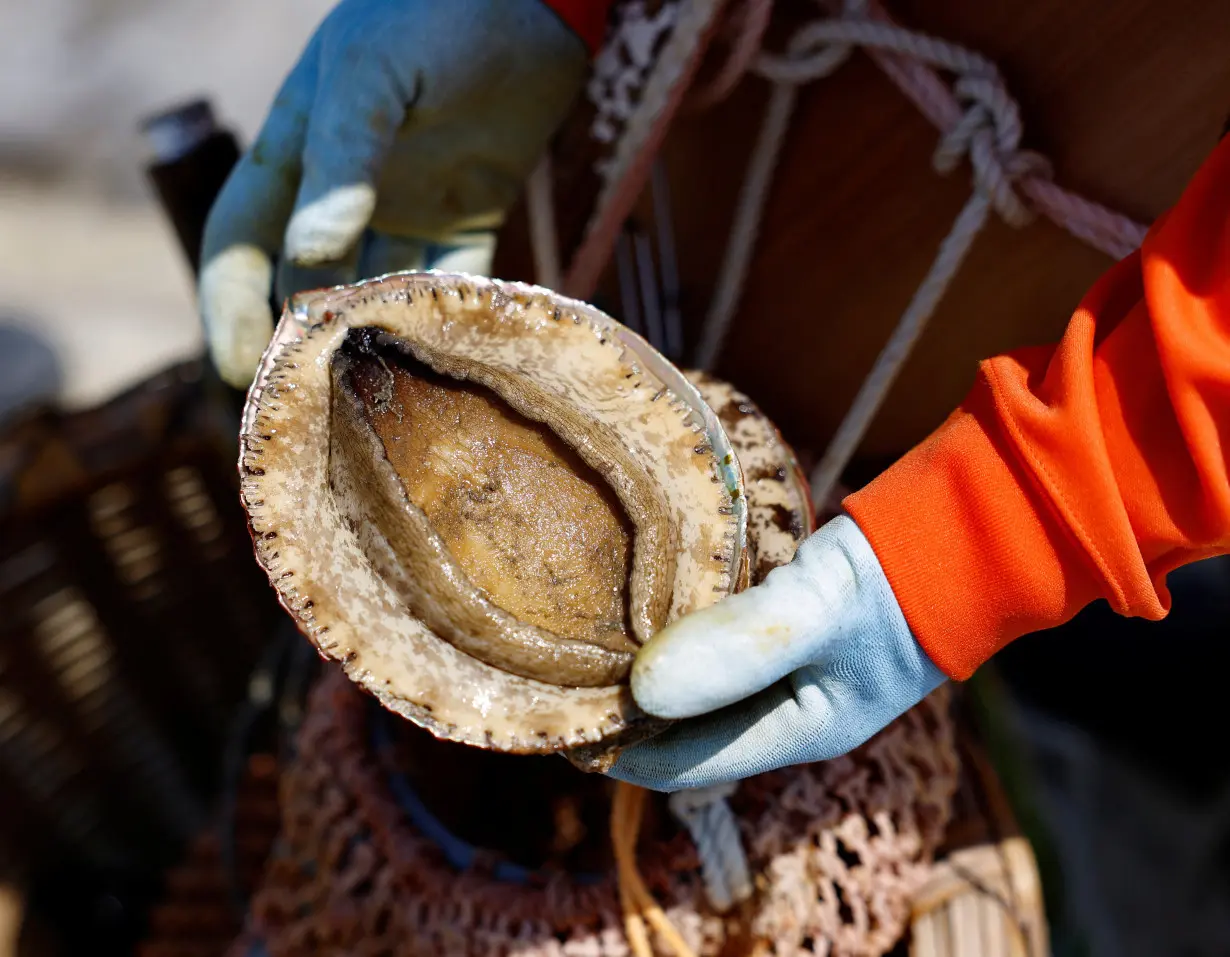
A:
[637,903]
[715,832]
[875,387]
[544,239]
[989,131]
[978,119]
[1112,233]
[749,25]
[755,191]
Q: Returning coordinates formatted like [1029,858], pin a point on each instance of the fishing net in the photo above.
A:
[361,866]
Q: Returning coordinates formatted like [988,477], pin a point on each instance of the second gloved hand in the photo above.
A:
[805,666]
[405,125]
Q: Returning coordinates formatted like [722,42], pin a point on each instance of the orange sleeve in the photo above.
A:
[1079,471]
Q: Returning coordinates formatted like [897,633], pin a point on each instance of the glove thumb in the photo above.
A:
[725,653]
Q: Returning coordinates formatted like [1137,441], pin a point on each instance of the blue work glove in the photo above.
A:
[30,370]
[407,126]
[803,667]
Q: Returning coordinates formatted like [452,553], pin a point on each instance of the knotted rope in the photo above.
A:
[978,118]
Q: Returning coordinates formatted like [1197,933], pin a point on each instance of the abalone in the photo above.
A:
[482,498]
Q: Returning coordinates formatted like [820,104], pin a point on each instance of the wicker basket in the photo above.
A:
[984,898]
[130,615]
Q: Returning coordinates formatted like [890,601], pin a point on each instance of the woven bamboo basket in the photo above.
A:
[982,900]
[984,896]
[131,613]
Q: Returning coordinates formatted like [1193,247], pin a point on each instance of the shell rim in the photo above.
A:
[296,321]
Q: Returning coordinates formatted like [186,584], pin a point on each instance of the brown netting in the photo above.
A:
[197,917]
[838,849]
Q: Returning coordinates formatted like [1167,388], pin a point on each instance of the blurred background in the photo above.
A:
[113,707]
[85,255]
[1118,769]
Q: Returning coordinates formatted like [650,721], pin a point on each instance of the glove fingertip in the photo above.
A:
[237,348]
[720,655]
[324,230]
[652,689]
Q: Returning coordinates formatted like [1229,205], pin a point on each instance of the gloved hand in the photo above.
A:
[407,126]
[805,666]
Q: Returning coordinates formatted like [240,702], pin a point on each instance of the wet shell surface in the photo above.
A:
[779,507]
[482,498]
[779,510]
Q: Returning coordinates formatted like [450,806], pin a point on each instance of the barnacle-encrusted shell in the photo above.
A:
[624,410]
[779,507]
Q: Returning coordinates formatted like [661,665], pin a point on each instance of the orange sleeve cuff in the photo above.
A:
[1088,469]
[968,557]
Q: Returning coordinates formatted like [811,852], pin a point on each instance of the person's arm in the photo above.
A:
[1087,470]
[1071,472]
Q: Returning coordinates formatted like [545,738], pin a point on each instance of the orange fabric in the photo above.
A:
[586,18]
[1084,470]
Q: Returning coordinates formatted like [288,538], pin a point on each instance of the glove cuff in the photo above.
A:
[888,666]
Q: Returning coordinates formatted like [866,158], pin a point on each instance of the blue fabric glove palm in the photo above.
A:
[805,666]
[406,127]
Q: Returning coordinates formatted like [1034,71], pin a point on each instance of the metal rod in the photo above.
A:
[649,291]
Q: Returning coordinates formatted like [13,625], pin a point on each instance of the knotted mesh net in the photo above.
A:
[837,849]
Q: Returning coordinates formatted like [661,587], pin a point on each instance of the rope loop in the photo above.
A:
[989,132]
[812,53]
[816,49]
